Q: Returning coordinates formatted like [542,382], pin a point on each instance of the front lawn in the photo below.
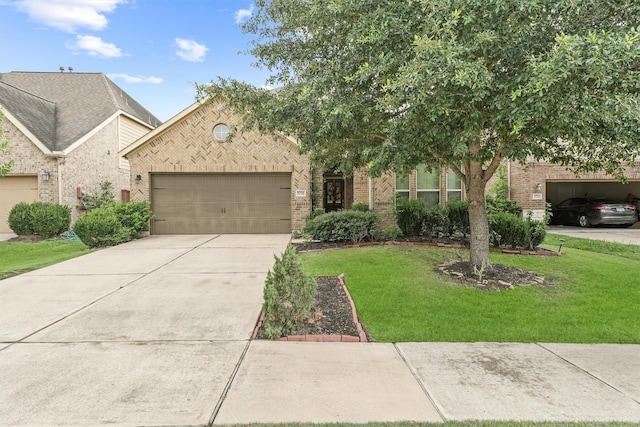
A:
[20,257]
[399,296]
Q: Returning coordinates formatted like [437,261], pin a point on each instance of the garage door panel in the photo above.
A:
[221,203]
[13,190]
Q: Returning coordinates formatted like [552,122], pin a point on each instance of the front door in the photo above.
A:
[333,194]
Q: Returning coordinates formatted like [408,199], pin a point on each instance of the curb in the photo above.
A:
[362,336]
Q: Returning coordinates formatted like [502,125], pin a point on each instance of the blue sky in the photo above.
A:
[154,49]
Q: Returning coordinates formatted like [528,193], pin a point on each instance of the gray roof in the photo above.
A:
[61,108]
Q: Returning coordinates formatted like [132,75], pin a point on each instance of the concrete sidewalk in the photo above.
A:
[156,332]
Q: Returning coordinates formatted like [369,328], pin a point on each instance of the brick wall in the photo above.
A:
[92,162]
[188,146]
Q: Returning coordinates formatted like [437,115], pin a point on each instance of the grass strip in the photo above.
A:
[21,257]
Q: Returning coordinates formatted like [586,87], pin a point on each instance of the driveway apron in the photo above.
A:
[145,333]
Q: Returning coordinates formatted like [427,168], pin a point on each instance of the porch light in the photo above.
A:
[45,176]
[138,178]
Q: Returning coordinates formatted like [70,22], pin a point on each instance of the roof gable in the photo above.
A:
[81,102]
[178,118]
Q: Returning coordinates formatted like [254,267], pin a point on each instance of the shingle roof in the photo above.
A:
[60,108]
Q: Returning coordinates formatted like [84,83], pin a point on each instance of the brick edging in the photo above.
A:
[543,252]
[362,336]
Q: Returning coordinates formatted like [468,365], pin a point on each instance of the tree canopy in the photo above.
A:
[390,84]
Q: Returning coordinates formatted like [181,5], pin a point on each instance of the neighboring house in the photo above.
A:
[65,131]
[199,181]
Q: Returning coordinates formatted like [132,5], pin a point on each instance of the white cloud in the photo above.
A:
[190,50]
[243,14]
[69,15]
[94,46]
[135,79]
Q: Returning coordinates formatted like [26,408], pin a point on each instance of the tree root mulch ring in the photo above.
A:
[331,313]
[496,277]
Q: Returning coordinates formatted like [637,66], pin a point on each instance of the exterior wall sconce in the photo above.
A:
[538,186]
[45,176]
[138,178]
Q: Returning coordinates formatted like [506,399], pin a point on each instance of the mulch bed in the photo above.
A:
[332,316]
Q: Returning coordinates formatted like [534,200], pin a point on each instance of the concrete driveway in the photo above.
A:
[629,236]
[146,333]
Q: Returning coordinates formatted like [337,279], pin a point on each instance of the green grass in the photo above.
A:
[20,257]
[552,241]
[399,296]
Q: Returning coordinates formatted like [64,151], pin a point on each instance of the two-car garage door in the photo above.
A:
[221,203]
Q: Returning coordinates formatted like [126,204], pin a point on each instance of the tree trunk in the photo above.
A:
[479,225]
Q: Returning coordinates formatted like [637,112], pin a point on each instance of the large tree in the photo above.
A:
[389,84]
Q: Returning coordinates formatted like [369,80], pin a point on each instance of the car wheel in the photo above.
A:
[583,221]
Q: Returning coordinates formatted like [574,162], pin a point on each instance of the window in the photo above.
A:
[454,186]
[428,185]
[402,186]
[221,132]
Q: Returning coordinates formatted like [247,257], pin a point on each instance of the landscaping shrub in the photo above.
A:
[134,216]
[342,226]
[361,207]
[289,295]
[435,220]
[537,231]
[496,205]
[508,230]
[415,218]
[43,219]
[315,213]
[410,215]
[101,227]
[49,219]
[458,212]
[20,219]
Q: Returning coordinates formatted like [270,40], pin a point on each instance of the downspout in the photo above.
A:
[61,157]
[509,177]
[370,193]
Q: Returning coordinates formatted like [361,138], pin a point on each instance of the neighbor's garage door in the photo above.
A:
[13,190]
[221,203]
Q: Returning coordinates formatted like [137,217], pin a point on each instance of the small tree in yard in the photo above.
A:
[390,84]
[288,295]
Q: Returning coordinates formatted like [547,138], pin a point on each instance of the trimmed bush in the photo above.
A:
[458,212]
[49,219]
[43,219]
[415,218]
[289,295]
[101,227]
[20,219]
[361,207]
[410,215]
[315,213]
[435,220]
[134,216]
[508,230]
[497,205]
[342,226]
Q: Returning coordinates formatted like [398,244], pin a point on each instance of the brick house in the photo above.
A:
[65,130]
[199,181]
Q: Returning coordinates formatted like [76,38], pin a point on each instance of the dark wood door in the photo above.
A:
[333,194]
